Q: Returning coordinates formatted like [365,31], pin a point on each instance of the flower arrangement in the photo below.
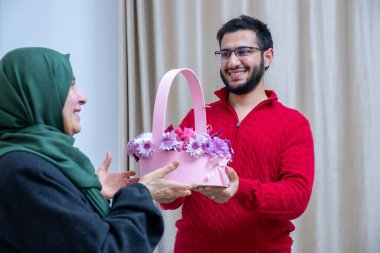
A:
[179,139]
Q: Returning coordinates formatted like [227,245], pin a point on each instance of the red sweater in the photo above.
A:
[274,158]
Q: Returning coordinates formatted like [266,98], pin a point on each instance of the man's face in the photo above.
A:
[241,74]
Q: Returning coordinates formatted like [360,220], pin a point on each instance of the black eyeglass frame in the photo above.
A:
[220,52]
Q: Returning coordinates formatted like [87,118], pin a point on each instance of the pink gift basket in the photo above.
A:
[202,157]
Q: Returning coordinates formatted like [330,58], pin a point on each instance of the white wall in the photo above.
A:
[88,30]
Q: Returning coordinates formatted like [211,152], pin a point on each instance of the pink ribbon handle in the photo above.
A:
[160,104]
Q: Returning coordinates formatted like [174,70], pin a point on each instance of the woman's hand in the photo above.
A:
[164,190]
[112,182]
[221,194]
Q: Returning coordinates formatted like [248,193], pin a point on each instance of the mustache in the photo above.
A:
[236,68]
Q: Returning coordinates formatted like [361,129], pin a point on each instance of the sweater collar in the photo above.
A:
[222,94]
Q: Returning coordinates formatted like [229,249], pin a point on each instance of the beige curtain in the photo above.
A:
[327,65]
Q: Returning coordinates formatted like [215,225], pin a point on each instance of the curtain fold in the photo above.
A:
[326,65]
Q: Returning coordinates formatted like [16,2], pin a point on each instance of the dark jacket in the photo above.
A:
[42,211]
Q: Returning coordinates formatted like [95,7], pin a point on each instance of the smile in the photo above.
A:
[236,74]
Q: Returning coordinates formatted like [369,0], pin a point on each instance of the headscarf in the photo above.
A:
[34,84]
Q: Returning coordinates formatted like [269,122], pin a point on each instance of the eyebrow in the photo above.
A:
[227,49]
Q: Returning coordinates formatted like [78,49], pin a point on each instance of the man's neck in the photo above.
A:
[243,104]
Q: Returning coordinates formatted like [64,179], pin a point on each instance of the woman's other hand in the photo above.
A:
[112,182]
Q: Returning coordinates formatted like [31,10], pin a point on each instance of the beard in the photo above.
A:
[250,84]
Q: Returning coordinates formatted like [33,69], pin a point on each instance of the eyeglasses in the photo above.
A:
[240,52]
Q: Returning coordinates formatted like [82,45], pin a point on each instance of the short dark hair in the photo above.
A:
[263,35]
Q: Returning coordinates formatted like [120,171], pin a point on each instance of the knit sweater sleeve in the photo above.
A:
[288,197]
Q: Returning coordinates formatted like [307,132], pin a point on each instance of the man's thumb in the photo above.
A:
[231,173]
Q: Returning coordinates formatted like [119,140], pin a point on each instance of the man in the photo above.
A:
[274,156]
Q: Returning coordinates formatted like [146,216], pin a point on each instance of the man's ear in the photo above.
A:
[268,57]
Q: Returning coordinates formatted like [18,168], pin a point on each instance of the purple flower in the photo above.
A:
[195,145]
[219,147]
[131,148]
[169,142]
[208,146]
[178,140]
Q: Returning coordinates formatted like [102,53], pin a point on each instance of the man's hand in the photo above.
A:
[221,194]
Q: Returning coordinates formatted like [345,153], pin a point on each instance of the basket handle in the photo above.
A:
[162,99]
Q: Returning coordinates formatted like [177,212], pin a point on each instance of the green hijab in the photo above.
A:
[34,84]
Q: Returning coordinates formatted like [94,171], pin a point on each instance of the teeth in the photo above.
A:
[237,74]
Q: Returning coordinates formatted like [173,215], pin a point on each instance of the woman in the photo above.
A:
[50,199]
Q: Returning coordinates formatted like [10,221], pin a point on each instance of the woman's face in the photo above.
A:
[71,109]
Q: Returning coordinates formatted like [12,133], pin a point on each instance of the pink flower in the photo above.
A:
[187,133]
[178,131]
